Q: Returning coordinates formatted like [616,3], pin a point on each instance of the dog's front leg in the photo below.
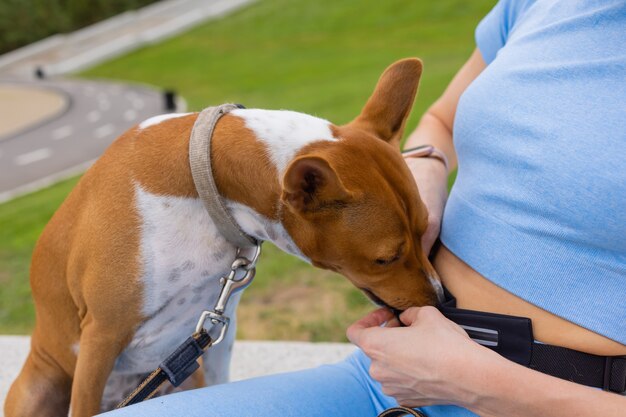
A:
[99,347]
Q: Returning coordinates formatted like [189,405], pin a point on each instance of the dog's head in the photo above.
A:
[353,205]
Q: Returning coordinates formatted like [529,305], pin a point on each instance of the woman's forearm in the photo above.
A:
[432,130]
[512,390]
[430,174]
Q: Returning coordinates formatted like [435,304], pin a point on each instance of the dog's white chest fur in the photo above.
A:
[183,256]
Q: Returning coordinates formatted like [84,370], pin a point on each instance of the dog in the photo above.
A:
[127,263]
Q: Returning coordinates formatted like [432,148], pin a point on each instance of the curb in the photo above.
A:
[30,50]
[45,182]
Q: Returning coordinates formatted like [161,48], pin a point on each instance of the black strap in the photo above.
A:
[401,411]
[606,372]
[176,368]
[512,337]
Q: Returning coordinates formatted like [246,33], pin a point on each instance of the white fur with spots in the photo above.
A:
[183,257]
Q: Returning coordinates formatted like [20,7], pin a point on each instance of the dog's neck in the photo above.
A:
[252,149]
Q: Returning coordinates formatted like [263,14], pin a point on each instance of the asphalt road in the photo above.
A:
[97,114]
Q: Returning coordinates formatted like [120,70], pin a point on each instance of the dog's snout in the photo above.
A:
[435,282]
[427,271]
[377,300]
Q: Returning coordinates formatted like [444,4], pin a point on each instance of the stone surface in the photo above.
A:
[250,359]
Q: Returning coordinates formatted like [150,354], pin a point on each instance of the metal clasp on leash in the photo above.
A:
[231,284]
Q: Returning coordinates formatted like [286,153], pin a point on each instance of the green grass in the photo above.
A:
[321,57]
[21,222]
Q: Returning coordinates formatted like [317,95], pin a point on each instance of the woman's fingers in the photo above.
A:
[428,315]
[414,315]
[375,319]
[393,322]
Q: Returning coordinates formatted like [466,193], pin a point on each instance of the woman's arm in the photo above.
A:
[414,368]
[435,128]
[513,390]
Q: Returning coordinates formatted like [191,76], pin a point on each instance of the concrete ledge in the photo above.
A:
[250,359]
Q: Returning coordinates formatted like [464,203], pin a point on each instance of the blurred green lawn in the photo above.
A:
[321,57]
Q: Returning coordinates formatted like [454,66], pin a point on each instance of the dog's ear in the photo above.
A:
[311,184]
[387,109]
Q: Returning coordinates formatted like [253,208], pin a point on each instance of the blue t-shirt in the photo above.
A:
[539,203]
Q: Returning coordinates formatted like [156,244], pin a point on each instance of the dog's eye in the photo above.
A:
[381,261]
[387,261]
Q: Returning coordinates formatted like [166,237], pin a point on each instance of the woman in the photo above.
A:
[534,227]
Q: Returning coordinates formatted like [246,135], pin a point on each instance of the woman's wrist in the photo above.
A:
[427,151]
[431,179]
[429,173]
[477,378]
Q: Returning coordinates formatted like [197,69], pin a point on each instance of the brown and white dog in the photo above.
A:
[127,263]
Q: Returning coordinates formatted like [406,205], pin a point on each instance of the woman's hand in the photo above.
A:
[432,361]
[431,178]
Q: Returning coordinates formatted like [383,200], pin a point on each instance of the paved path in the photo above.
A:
[250,359]
[96,114]
[61,54]
[91,114]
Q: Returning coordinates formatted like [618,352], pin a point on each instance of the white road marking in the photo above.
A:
[93,116]
[130,115]
[89,90]
[104,131]
[104,104]
[34,156]
[62,132]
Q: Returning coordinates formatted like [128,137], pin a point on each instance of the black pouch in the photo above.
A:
[510,336]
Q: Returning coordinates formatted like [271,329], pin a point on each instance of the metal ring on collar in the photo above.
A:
[255,257]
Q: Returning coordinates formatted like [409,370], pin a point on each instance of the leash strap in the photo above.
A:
[202,173]
[175,368]
[401,411]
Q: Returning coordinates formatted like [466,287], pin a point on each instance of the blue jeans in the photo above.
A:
[344,389]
